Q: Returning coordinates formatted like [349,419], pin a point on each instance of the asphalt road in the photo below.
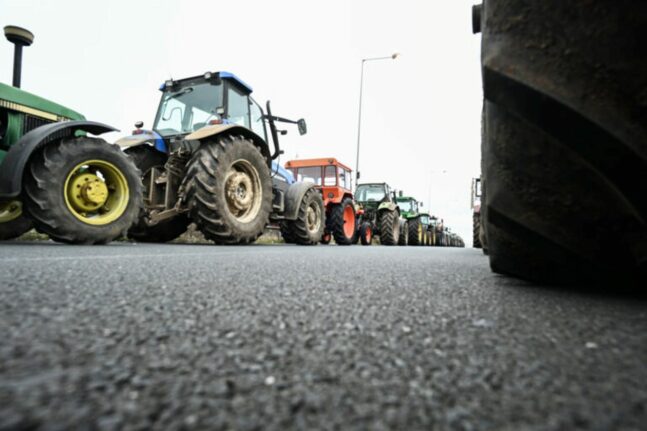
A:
[279,337]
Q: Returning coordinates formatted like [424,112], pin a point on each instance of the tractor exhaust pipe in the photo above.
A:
[19,37]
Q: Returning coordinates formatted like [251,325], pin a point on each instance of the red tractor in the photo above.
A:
[333,179]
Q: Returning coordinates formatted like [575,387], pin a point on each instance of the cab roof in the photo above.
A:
[307,163]
[222,75]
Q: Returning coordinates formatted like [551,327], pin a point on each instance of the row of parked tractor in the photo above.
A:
[375,209]
[207,159]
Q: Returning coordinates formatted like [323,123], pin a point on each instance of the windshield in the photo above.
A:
[406,206]
[187,109]
[309,175]
[370,192]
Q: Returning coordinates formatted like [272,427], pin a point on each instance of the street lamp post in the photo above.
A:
[359,120]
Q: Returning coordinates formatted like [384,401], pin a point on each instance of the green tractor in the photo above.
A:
[55,178]
[410,211]
[207,160]
[377,212]
[427,229]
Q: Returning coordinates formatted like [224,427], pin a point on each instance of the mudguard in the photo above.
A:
[388,206]
[232,129]
[13,165]
[293,198]
[147,136]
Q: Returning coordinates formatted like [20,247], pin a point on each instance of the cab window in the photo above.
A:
[330,178]
[238,107]
[256,114]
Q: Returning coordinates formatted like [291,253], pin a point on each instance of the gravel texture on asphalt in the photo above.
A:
[132,336]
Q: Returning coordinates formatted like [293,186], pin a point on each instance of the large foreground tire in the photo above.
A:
[229,190]
[565,140]
[389,227]
[308,228]
[415,231]
[342,222]
[13,222]
[146,158]
[82,191]
[476,230]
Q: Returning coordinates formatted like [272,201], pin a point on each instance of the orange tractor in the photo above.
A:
[333,179]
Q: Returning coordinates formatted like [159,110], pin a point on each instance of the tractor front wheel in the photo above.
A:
[389,226]
[404,233]
[366,233]
[229,190]
[308,228]
[342,222]
[147,158]
[325,238]
[82,191]
[13,221]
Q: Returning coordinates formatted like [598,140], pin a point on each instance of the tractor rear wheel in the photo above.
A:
[82,191]
[308,228]
[146,158]
[366,233]
[389,227]
[404,233]
[342,222]
[415,231]
[229,190]
[13,222]
[565,141]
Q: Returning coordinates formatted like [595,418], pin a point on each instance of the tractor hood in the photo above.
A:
[22,101]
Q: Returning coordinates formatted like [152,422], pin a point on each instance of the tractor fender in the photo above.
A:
[13,165]
[149,137]
[232,129]
[293,198]
[388,206]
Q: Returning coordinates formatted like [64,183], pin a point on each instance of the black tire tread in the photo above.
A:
[202,187]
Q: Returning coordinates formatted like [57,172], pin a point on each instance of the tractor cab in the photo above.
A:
[202,105]
[187,105]
[332,177]
[371,195]
[409,206]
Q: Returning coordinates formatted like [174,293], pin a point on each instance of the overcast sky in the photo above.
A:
[421,112]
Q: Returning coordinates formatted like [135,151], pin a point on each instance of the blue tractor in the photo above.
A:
[207,160]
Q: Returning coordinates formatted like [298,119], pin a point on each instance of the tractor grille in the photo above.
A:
[30,123]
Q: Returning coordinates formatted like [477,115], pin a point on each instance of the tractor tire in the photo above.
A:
[229,190]
[389,227]
[415,231]
[342,222]
[565,141]
[476,230]
[404,233]
[308,228]
[287,232]
[82,191]
[145,158]
[366,233]
[325,238]
[15,221]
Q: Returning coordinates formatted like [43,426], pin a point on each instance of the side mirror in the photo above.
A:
[422,204]
[303,128]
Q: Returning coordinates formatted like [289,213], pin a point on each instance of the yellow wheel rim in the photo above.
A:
[96,192]
[10,211]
